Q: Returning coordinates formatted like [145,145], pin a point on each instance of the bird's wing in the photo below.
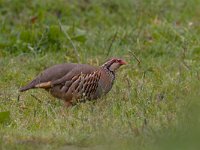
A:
[79,69]
[58,74]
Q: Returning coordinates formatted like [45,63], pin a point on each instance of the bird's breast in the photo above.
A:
[105,83]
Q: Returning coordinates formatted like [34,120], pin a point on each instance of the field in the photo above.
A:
[154,103]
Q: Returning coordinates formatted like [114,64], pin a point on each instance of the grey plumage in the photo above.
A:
[72,81]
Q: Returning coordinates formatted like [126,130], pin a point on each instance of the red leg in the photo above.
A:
[67,104]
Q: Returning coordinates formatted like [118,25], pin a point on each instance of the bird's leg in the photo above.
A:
[68,104]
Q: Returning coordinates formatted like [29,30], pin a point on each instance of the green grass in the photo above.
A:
[153,105]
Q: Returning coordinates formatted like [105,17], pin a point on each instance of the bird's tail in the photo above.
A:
[25,88]
[31,85]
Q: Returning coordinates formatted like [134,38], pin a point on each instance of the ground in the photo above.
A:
[154,101]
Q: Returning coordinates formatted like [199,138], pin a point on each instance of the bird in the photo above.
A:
[74,82]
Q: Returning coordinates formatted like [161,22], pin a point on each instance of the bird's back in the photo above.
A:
[56,72]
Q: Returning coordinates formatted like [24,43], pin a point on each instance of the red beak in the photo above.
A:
[122,62]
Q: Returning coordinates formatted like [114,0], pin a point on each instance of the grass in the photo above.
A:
[153,104]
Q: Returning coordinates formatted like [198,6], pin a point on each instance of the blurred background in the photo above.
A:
[154,103]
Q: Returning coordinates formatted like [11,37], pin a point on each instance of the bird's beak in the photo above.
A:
[123,62]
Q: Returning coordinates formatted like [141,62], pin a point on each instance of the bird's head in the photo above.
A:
[113,64]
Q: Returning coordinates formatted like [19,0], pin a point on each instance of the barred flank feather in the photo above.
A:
[77,81]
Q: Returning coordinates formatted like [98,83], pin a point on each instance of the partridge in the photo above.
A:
[75,82]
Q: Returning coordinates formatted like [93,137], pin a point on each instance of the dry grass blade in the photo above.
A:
[36,98]
[137,59]
[110,46]
[68,37]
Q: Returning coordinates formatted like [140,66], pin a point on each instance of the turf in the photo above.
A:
[154,103]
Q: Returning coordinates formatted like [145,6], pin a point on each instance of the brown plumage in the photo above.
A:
[72,82]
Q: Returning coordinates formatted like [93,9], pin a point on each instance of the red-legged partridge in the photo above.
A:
[72,82]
